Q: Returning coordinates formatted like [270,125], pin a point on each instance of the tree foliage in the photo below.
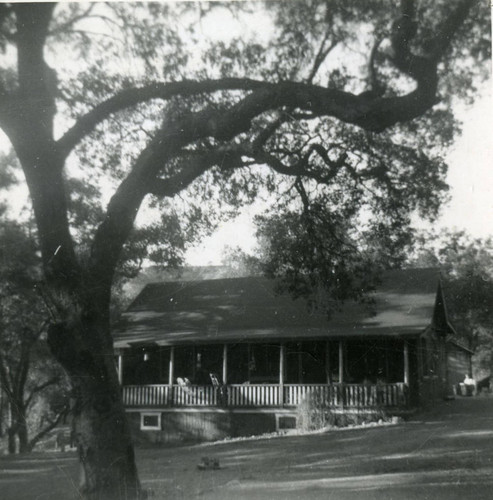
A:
[32,383]
[466,265]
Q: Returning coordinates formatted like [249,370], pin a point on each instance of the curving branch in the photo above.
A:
[197,163]
[301,168]
[446,32]
[321,56]
[51,425]
[374,114]
[422,68]
[131,97]
[39,388]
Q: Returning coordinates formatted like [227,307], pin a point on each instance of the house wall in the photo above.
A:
[458,364]
[432,368]
[193,426]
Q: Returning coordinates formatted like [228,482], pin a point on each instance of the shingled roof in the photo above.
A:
[248,309]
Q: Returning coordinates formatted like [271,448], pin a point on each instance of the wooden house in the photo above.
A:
[212,358]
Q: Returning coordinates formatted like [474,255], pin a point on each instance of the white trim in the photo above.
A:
[406,362]
[225,364]
[145,414]
[289,411]
[120,369]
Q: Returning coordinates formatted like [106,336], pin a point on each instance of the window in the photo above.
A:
[150,421]
[285,422]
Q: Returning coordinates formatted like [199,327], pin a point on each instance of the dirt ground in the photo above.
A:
[444,454]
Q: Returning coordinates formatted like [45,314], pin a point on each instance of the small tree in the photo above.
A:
[27,371]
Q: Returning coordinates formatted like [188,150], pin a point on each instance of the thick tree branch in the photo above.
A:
[131,97]
[371,115]
[194,167]
[6,381]
[448,29]
[423,68]
[267,132]
[32,29]
[28,121]
[38,388]
[51,425]
[22,370]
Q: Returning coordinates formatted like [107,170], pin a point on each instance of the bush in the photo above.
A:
[314,412]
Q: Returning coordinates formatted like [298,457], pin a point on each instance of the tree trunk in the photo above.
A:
[12,441]
[102,436]
[2,412]
[23,435]
[18,428]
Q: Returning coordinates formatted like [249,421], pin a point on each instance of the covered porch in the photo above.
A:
[349,373]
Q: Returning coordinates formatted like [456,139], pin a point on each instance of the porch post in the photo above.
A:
[341,361]
[406,362]
[282,356]
[171,366]
[225,364]
[249,354]
[327,361]
[300,364]
[120,368]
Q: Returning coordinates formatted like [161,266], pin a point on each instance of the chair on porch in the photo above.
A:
[220,388]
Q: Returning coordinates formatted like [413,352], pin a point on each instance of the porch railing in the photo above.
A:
[348,395]
[146,395]
[266,395]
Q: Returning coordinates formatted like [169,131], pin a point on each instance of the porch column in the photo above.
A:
[225,364]
[282,356]
[341,361]
[300,364]
[171,366]
[120,368]
[406,362]
[327,362]
[249,355]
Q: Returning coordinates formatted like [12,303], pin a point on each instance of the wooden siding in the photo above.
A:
[458,364]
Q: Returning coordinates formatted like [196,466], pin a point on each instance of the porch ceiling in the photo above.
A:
[247,309]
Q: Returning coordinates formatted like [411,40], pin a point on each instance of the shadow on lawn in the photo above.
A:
[448,457]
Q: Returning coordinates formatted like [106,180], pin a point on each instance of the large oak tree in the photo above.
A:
[340,107]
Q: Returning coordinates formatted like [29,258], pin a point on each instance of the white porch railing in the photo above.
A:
[266,395]
[348,395]
[195,395]
[253,395]
[146,395]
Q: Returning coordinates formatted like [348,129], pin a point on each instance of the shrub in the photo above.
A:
[314,412]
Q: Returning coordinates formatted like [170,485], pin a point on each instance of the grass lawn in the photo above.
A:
[444,454]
